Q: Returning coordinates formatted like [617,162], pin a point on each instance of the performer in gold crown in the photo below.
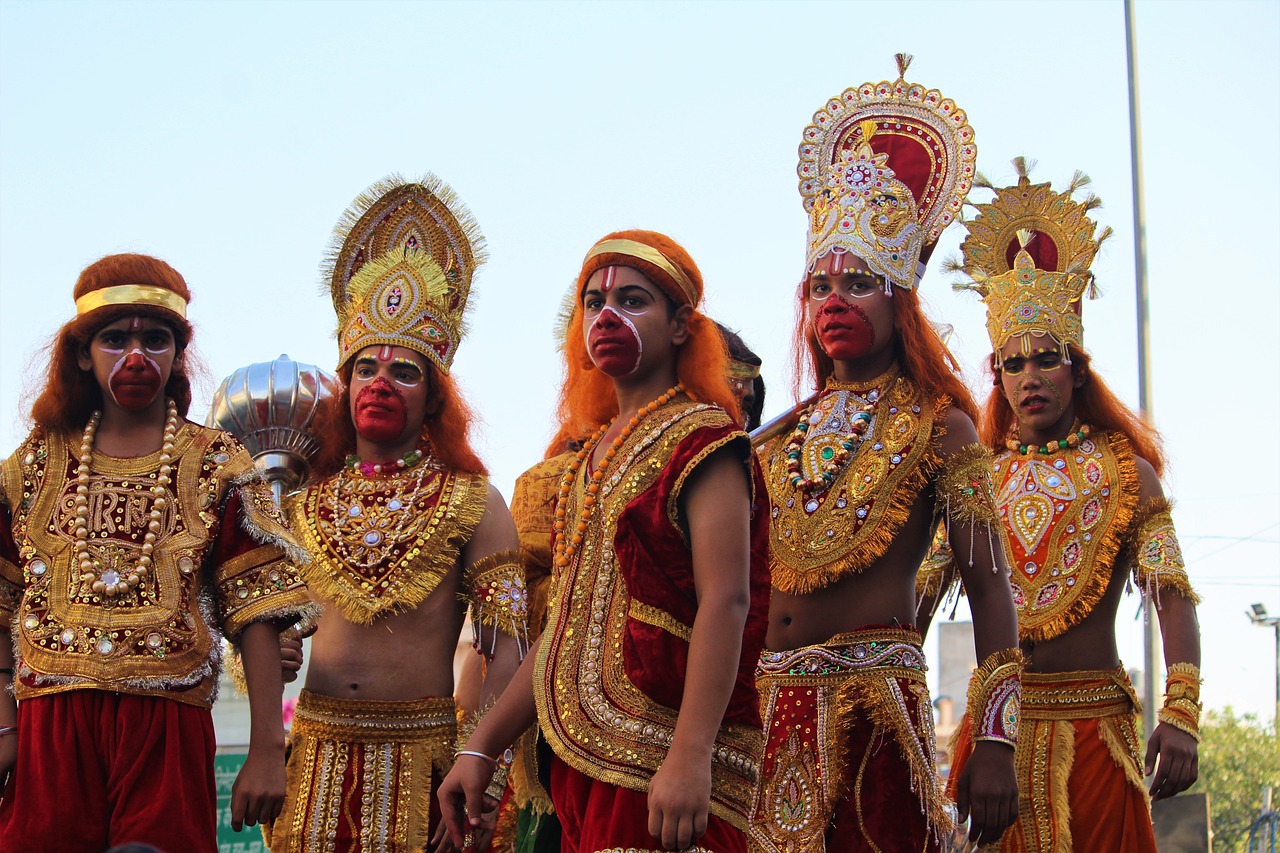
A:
[402,525]
[642,681]
[857,480]
[1077,479]
[131,542]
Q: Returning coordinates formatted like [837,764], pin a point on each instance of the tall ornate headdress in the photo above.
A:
[884,168]
[399,269]
[1027,254]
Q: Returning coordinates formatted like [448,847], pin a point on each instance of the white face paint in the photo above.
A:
[619,357]
[135,351]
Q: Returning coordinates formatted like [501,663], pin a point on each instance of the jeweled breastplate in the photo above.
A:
[818,536]
[1062,517]
[383,544]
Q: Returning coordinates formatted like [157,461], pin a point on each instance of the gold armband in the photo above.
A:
[496,593]
[964,495]
[1157,563]
[1182,699]
[995,697]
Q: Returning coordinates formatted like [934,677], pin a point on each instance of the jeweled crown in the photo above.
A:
[883,169]
[1027,255]
[400,269]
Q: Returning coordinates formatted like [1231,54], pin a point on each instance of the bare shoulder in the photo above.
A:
[960,432]
[1149,487]
[496,531]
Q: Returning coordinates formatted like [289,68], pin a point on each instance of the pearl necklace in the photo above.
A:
[346,506]
[110,582]
[565,550]
[1052,447]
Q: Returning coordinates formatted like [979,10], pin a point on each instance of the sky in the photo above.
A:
[228,137]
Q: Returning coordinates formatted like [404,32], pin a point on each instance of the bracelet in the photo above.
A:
[8,730]
[474,754]
[1182,699]
[995,697]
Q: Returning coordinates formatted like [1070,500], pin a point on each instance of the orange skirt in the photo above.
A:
[1079,776]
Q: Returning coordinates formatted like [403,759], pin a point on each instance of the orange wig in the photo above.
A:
[923,356]
[70,395]
[1095,404]
[587,398]
[447,428]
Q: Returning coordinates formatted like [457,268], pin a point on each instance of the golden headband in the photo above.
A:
[649,255]
[132,294]
[742,370]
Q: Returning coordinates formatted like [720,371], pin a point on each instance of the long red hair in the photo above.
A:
[69,395]
[923,356]
[447,428]
[1095,404]
[587,398]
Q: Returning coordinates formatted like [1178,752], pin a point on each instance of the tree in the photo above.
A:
[1237,756]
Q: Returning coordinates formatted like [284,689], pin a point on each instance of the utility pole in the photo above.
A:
[1150,626]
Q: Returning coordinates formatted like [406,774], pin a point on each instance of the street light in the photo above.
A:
[1257,614]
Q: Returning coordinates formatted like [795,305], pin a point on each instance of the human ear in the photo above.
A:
[680,324]
[83,361]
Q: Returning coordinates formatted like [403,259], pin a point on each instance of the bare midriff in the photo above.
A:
[399,657]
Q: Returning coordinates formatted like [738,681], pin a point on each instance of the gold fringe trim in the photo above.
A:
[436,560]
[874,543]
[1097,577]
[869,695]
[1121,738]
[1154,514]
[964,489]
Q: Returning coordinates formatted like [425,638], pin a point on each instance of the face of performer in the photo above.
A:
[1039,385]
[852,316]
[132,360]
[389,390]
[628,323]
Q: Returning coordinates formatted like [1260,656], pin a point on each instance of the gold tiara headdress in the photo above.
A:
[1027,255]
[399,269]
[883,169]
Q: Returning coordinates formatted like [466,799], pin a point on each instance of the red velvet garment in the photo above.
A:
[597,816]
[98,769]
[655,560]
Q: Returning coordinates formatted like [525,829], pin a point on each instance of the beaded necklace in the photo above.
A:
[346,507]
[565,550]
[109,581]
[1052,447]
[859,423]
[355,464]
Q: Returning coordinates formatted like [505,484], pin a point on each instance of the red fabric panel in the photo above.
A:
[1043,251]
[658,568]
[98,769]
[596,816]
[232,539]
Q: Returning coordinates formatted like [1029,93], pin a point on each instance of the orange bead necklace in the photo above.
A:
[566,547]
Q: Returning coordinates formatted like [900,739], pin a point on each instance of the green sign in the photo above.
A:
[226,764]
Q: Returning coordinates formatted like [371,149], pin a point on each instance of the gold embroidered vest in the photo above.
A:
[591,712]
[383,544]
[819,538]
[1064,519]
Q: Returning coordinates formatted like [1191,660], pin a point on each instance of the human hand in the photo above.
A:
[987,793]
[291,658]
[680,800]
[468,815]
[1179,761]
[258,793]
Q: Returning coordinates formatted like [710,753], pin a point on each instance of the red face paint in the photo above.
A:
[614,344]
[134,381]
[844,330]
[610,278]
[384,354]
[380,412]
[135,324]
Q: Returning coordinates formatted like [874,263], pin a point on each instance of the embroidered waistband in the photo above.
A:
[1077,695]
[849,652]
[371,721]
